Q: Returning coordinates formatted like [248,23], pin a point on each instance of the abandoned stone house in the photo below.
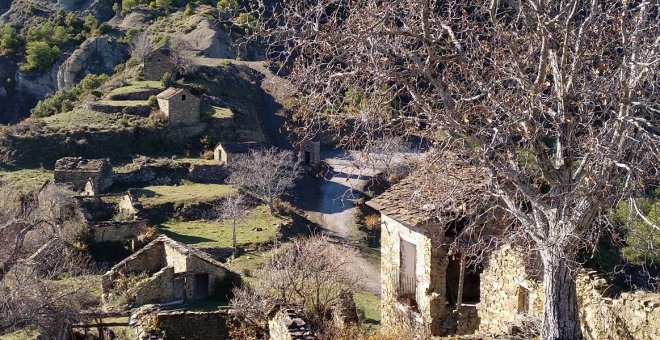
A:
[179,106]
[87,176]
[113,217]
[310,152]
[224,152]
[422,282]
[176,273]
[157,63]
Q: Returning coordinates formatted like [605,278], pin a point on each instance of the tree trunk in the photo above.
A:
[560,309]
[233,238]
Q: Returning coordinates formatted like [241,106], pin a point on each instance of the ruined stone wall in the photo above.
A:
[158,288]
[630,316]
[431,267]
[194,325]
[216,274]
[287,324]
[117,231]
[314,150]
[509,298]
[507,294]
[156,65]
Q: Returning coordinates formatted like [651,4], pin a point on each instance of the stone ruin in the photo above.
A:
[225,152]
[287,323]
[426,284]
[150,323]
[310,152]
[175,272]
[157,63]
[88,176]
[113,217]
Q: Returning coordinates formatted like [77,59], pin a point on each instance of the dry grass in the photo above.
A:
[187,192]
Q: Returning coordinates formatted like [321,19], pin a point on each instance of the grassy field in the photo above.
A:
[88,118]
[124,103]
[25,334]
[137,86]
[370,303]
[26,180]
[216,112]
[219,234]
[185,193]
[196,161]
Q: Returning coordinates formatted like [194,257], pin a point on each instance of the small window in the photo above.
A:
[183,97]
[159,60]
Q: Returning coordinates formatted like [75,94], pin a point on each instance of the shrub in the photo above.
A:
[8,38]
[39,56]
[165,80]
[153,102]
[188,11]
[62,100]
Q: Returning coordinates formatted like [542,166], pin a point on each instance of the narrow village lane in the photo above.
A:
[334,209]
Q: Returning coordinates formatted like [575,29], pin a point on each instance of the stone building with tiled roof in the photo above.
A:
[419,279]
[179,106]
[224,152]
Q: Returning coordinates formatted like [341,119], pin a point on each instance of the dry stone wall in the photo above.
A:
[287,324]
[630,316]
[158,288]
[431,277]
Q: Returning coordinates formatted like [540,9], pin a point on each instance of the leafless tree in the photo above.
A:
[557,101]
[41,235]
[309,272]
[268,174]
[141,46]
[234,209]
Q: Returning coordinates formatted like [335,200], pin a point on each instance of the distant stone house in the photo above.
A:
[225,152]
[310,152]
[176,273]
[179,106]
[89,176]
[425,284]
[157,63]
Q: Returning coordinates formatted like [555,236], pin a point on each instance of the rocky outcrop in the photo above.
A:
[95,55]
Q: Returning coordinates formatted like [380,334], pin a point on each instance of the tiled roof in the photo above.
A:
[443,186]
[169,93]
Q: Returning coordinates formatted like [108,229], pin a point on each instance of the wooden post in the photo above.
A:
[461,279]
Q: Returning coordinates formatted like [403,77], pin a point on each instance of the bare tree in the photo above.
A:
[267,173]
[557,101]
[41,234]
[141,46]
[310,272]
[234,209]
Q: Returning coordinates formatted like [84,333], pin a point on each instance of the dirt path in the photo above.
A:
[333,208]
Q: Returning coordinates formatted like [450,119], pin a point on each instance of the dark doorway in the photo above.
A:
[308,157]
[201,286]
[471,281]
[179,289]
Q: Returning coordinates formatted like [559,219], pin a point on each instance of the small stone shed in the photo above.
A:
[224,152]
[113,217]
[179,106]
[91,176]
[419,278]
[176,273]
[157,63]
[310,152]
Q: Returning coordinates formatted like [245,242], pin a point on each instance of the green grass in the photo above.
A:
[26,180]
[138,86]
[370,303]
[196,161]
[249,264]
[187,192]
[219,234]
[216,112]
[124,103]
[88,118]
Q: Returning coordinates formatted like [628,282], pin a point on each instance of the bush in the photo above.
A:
[188,11]
[62,100]
[153,102]
[39,56]
[8,38]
